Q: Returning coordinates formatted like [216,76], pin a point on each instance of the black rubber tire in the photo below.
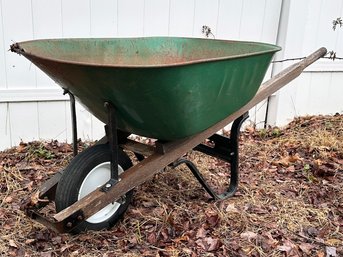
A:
[68,187]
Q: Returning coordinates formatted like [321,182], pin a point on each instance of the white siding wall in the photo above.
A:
[33,107]
[305,26]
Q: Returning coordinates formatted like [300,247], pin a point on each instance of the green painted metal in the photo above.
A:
[162,87]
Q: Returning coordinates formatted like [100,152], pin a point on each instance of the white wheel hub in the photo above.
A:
[97,177]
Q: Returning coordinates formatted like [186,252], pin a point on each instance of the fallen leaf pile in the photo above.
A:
[289,201]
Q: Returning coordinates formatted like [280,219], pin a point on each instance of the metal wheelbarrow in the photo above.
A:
[180,91]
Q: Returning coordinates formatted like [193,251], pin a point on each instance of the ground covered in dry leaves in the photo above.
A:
[289,202]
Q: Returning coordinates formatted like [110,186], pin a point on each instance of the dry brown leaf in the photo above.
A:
[318,162]
[213,243]
[248,235]
[183,238]
[152,239]
[331,251]
[29,241]
[320,254]
[21,148]
[231,208]
[333,241]
[294,158]
[201,233]
[306,248]
[12,243]
[288,160]
[29,186]
[289,248]
[8,199]
[208,244]
[213,219]
[35,198]
[201,243]
[250,129]
[65,247]
[291,168]
[285,248]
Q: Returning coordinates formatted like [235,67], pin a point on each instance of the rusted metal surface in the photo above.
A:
[48,188]
[55,226]
[161,87]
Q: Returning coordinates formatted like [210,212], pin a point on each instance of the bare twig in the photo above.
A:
[336,22]
[207,31]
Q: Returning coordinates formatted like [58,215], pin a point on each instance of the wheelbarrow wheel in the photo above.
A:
[86,172]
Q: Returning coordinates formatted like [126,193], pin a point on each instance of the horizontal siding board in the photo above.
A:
[104,18]
[286,109]
[156,17]
[206,13]
[312,24]
[47,23]
[325,35]
[318,32]
[181,18]
[17,29]
[5,130]
[130,18]
[76,18]
[312,93]
[319,94]
[271,21]
[3,80]
[303,94]
[24,122]
[52,126]
[229,19]
[47,19]
[252,20]
[31,95]
[335,97]
[98,130]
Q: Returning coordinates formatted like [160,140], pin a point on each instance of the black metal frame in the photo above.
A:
[225,149]
[112,137]
[73,119]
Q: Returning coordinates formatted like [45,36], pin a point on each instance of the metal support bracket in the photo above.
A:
[224,148]
[73,119]
[112,136]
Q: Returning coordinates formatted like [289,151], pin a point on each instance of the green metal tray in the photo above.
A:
[162,87]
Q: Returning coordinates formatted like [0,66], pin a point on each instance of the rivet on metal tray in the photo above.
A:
[108,185]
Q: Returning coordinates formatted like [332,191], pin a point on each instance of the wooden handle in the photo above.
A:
[285,76]
[321,52]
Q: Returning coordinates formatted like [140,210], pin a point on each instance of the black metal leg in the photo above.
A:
[139,157]
[225,149]
[111,133]
[73,120]
[234,137]
[191,166]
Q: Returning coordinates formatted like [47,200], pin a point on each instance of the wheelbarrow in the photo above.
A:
[178,91]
